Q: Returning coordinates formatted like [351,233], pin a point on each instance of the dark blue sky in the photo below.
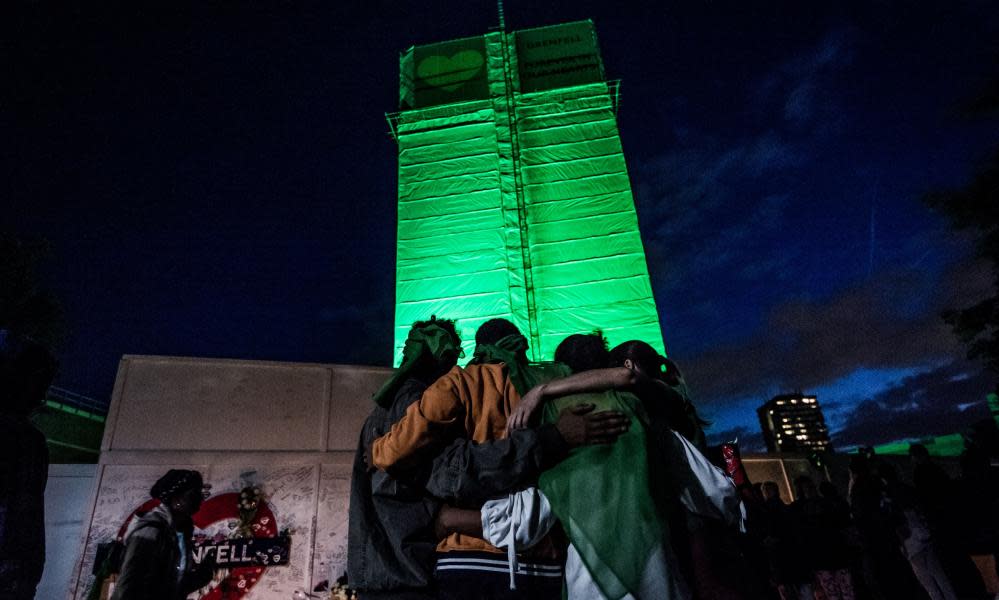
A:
[218,181]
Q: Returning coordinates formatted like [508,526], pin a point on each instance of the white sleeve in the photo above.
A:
[517,522]
[705,490]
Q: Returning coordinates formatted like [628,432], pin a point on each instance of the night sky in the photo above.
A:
[218,181]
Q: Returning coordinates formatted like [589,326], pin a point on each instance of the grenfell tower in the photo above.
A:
[514,197]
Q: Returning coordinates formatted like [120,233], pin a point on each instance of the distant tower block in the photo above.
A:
[514,198]
[793,423]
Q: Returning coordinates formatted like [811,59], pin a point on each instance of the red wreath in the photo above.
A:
[224,507]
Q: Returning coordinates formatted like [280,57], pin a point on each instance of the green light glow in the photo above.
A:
[942,445]
[517,205]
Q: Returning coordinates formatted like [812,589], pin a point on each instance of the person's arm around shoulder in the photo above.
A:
[424,425]
[467,473]
[458,520]
[597,380]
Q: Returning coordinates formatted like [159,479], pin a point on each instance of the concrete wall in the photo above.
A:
[67,494]
[289,428]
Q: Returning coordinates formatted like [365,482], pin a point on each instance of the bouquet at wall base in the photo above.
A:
[338,590]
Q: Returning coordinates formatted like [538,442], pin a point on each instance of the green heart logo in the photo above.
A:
[449,73]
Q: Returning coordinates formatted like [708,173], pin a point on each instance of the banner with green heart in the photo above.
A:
[450,72]
[443,73]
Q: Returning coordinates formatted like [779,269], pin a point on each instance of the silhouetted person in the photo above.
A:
[903,510]
[886,572]
[752,542]
[977,518]
[935,492]
[843,520]
[932,484]
[159,562]
[841,507]
[821,541]
[788,571]
[26,371]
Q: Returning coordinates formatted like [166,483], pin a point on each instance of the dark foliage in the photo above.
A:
[975,208]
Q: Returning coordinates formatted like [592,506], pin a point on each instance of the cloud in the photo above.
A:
[839,397]
[703,187]
[798,107]
[798,86]
[808,343]
[942,401]
[722,194]
[736,220]
[749,440]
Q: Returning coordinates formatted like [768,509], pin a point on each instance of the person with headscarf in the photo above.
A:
[468,407]
[158,563]
[500,341]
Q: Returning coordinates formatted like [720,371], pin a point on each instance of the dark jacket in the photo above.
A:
[390,541]
[151,568]
[24,465]
[787,562]
[818,534]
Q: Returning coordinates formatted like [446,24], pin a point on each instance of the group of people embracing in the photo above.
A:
[581,478]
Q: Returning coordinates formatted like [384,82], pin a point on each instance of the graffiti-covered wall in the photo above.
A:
[275,441]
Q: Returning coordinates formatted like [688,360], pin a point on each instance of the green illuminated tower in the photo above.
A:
[514,198]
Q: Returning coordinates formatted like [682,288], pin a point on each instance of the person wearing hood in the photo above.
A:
[158,562]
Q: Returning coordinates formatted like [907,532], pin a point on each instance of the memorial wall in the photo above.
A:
[283,432]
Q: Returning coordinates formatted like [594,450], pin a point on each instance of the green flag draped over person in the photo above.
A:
[646,477]
[616,477]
